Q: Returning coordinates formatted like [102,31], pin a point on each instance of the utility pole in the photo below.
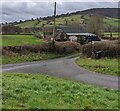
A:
[54,23]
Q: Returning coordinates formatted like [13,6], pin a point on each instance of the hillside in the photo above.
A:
[75,18]
[106,12]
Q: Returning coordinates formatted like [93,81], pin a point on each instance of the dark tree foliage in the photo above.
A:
[62,36]
[10,29]
[66,22]
[27,30]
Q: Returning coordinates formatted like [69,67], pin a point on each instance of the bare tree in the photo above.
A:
[95,24]
[66,22]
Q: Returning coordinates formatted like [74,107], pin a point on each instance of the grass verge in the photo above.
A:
[30,57]
[103,66]
[37,91]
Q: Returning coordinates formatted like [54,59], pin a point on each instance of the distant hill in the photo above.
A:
[110,19]
[107,12]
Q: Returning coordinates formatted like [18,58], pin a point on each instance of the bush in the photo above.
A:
[109,49]
[37,35]
[62,47]
[67,47]
[110,38]
[26,49]
[7,52]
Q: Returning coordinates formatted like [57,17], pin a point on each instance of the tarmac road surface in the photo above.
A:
[64,68]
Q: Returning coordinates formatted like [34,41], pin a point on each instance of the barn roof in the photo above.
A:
[72,29]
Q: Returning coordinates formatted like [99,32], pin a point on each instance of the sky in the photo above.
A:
[15,10]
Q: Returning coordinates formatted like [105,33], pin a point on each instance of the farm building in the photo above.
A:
[48,33]
[76,34]
[66,33]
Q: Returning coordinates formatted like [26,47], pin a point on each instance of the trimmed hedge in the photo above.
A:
[111,38]
[67,47]
[59,47]
[26,49]
[109,49]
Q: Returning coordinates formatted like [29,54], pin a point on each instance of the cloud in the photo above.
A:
[61,0]
[22,10]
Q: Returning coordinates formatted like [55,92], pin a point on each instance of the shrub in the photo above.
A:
[37,35]
[7,52]
[67,47]
[59,47]
[110,38]
[47,47]
[109,48]
[81,41]
[25,49]
[62,36]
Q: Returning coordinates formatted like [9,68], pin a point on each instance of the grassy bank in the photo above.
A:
[15,40]
[29,91]
[104,65]
[29,58]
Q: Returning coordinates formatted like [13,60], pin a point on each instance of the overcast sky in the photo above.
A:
[13,10]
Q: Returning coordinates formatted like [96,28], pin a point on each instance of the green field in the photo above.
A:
[15,40]
[71,19]
[29,58]
[27,24]
[103,66]
[111,21]
[39,91]
[114,34]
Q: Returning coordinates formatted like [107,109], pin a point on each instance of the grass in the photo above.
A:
[15,40]
[38,91]
[29,58]
[76,19]
[111,21]
[103,66]
[72,19]
[27,24]
[114,34]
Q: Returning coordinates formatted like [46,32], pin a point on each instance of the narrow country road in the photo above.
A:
[65,68]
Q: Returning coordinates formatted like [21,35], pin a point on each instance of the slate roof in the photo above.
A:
[72,29]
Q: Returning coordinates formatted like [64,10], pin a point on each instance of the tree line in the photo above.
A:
[11,29]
